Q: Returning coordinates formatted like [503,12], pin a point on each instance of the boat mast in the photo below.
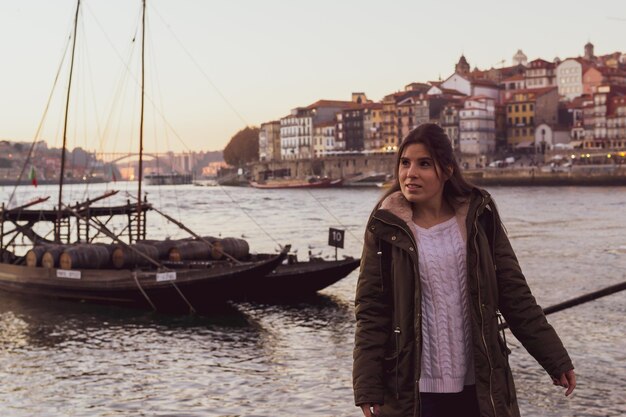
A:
[143,51]
[57,228]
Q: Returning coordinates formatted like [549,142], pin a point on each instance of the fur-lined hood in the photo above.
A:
[399,206]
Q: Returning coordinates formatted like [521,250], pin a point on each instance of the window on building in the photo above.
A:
[531,107]
[523,107]
[524,119]
[516,120]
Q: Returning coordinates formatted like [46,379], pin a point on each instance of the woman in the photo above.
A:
[437,269]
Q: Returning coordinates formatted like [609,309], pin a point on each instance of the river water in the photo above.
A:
[64,359]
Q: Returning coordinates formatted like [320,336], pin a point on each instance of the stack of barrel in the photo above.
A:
[142,254]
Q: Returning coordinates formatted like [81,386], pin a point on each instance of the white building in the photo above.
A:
[569,78]
[547,136]
[540,74]
[297,129]
[461,84]
[477,126]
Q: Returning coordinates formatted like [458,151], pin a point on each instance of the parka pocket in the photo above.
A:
[505,351]
[392,361]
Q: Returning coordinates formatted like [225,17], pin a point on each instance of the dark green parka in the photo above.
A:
[388,336]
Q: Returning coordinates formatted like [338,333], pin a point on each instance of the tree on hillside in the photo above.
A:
[243,147]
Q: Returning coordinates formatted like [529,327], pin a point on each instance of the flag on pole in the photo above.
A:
[33,176]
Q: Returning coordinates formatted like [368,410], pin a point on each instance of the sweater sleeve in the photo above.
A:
[521,311]
[373,321]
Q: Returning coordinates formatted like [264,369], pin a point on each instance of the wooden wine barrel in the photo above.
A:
[33,256]
[124,257]
[87,256]
[215,249]
[50,258]
[163,246]
[190,251]
[237,248]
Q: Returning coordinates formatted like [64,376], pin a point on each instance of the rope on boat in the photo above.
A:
[612,289]
[112,236]
[143,292]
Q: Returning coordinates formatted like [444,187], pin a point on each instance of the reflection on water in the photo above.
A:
[63,359]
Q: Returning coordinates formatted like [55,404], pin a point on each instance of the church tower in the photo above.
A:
[589,52]
[462,67]
[520,58]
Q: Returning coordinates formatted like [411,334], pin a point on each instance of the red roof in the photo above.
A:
[332,103]
[372,106]
[540,63]
[578,102]
[451,92]
[325,124]
[516,77]
[484,83]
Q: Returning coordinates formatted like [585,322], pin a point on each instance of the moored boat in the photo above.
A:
[295,183]
[172,178]
[369,179]
[123,274]
[297,280]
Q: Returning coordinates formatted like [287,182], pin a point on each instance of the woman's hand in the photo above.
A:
[370,410]
[566,380]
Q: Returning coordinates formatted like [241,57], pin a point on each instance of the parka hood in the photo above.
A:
[396,204]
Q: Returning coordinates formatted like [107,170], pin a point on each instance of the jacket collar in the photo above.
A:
[397,205]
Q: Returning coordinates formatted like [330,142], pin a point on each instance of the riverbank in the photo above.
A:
[576,175]
[350,166]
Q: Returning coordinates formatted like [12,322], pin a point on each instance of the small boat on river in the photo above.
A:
[298,279]
[171,178]
[312,182]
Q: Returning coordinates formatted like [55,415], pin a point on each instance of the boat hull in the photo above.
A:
[298,280]
[295,184]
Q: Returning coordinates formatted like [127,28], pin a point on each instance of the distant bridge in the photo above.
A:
[115,157]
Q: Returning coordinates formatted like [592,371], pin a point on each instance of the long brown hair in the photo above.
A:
[437,143]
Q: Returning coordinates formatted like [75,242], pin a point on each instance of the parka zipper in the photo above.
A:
[397,333]
[481,307]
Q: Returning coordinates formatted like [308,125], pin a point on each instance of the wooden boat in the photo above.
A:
[293,184]
[146,283]
[172,178]
[369,179]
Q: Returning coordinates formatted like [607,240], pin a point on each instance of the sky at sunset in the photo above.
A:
[213,67]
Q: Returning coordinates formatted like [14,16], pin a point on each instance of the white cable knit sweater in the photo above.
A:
[447,357]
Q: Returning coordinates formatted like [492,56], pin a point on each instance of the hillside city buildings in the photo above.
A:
[530,106]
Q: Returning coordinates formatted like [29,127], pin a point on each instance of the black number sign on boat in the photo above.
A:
[336,237]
